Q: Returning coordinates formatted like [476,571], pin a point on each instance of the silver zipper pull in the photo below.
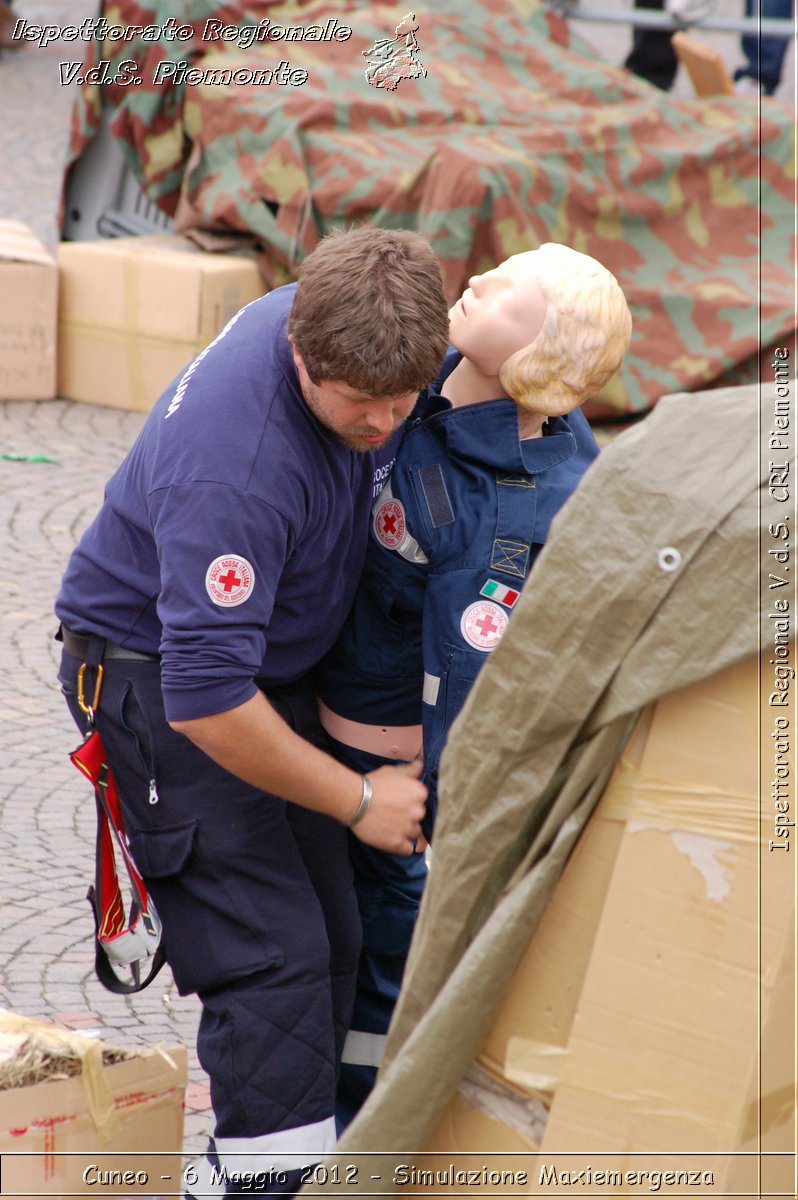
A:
[153,796]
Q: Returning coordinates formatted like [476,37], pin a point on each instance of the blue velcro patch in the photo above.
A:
[436,496]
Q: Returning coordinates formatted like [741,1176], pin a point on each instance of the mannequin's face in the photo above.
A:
[499,313]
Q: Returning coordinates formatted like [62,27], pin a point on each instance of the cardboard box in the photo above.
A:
[651,1022]
[120,1124]
[134,311]
[28,310]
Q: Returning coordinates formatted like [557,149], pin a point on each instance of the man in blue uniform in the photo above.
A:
[494,451]
[216,574]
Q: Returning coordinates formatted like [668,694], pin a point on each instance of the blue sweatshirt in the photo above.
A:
[232,537]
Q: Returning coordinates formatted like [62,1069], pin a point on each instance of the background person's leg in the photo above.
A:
[652,56]
[765,56]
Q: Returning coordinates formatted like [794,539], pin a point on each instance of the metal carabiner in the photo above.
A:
[89,709]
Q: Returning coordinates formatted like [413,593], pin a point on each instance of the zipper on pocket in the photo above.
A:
[149,767]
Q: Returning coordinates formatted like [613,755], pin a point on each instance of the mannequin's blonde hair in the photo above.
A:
[585,334]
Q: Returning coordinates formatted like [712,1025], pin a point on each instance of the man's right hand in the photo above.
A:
[253,742]
[393,821]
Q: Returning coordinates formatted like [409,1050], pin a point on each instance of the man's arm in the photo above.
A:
[253,742]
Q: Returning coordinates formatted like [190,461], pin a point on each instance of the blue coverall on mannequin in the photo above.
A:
[454,535]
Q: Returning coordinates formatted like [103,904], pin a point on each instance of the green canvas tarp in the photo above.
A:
[515,134]
[650,581]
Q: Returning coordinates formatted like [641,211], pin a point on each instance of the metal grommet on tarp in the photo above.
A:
[669,559]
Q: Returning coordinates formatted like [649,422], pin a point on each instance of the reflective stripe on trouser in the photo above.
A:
[363,1049]
[275,1164]
[257,904]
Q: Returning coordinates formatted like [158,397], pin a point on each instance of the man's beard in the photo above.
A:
[351,437]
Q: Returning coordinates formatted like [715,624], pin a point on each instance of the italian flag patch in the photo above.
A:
[499,591]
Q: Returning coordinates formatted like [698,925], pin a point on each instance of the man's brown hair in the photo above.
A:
[370,309]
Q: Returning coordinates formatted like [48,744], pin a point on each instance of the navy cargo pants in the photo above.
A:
[259,918]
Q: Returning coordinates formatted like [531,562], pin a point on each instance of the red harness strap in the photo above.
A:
[120,941]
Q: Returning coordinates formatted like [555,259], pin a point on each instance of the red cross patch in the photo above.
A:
[482,625]
[229,580]
[389,524]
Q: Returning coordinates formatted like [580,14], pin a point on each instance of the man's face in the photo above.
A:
[499,313]
[360,421]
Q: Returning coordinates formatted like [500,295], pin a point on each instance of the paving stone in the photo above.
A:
[76,1020]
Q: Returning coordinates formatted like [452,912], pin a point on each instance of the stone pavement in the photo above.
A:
[47,817]
[46,810]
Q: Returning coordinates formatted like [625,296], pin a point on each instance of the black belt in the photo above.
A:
[77,644]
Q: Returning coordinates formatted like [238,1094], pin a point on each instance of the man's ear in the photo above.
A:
[299,362]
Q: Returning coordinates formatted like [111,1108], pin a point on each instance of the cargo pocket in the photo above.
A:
[162,856]
[210,933]
[159,853]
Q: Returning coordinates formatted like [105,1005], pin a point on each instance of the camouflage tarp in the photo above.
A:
[501,131]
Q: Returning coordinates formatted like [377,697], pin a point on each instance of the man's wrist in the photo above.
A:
[365,803]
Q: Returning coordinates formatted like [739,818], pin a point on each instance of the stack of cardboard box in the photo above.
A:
[28,313]
[111,322]
[134,311]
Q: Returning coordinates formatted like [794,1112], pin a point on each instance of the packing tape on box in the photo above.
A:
[675,806]
[527,1112]
[516,1092]
[774,1110]
[532,1066]
[489,1095]
[99,1100]
[125,336]
[131,311]
[132,343]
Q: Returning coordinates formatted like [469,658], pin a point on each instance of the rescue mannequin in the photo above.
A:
[497,446]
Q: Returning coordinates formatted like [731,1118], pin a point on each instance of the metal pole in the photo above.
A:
[647,19]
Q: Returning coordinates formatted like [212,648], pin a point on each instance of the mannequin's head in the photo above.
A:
[551,324]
